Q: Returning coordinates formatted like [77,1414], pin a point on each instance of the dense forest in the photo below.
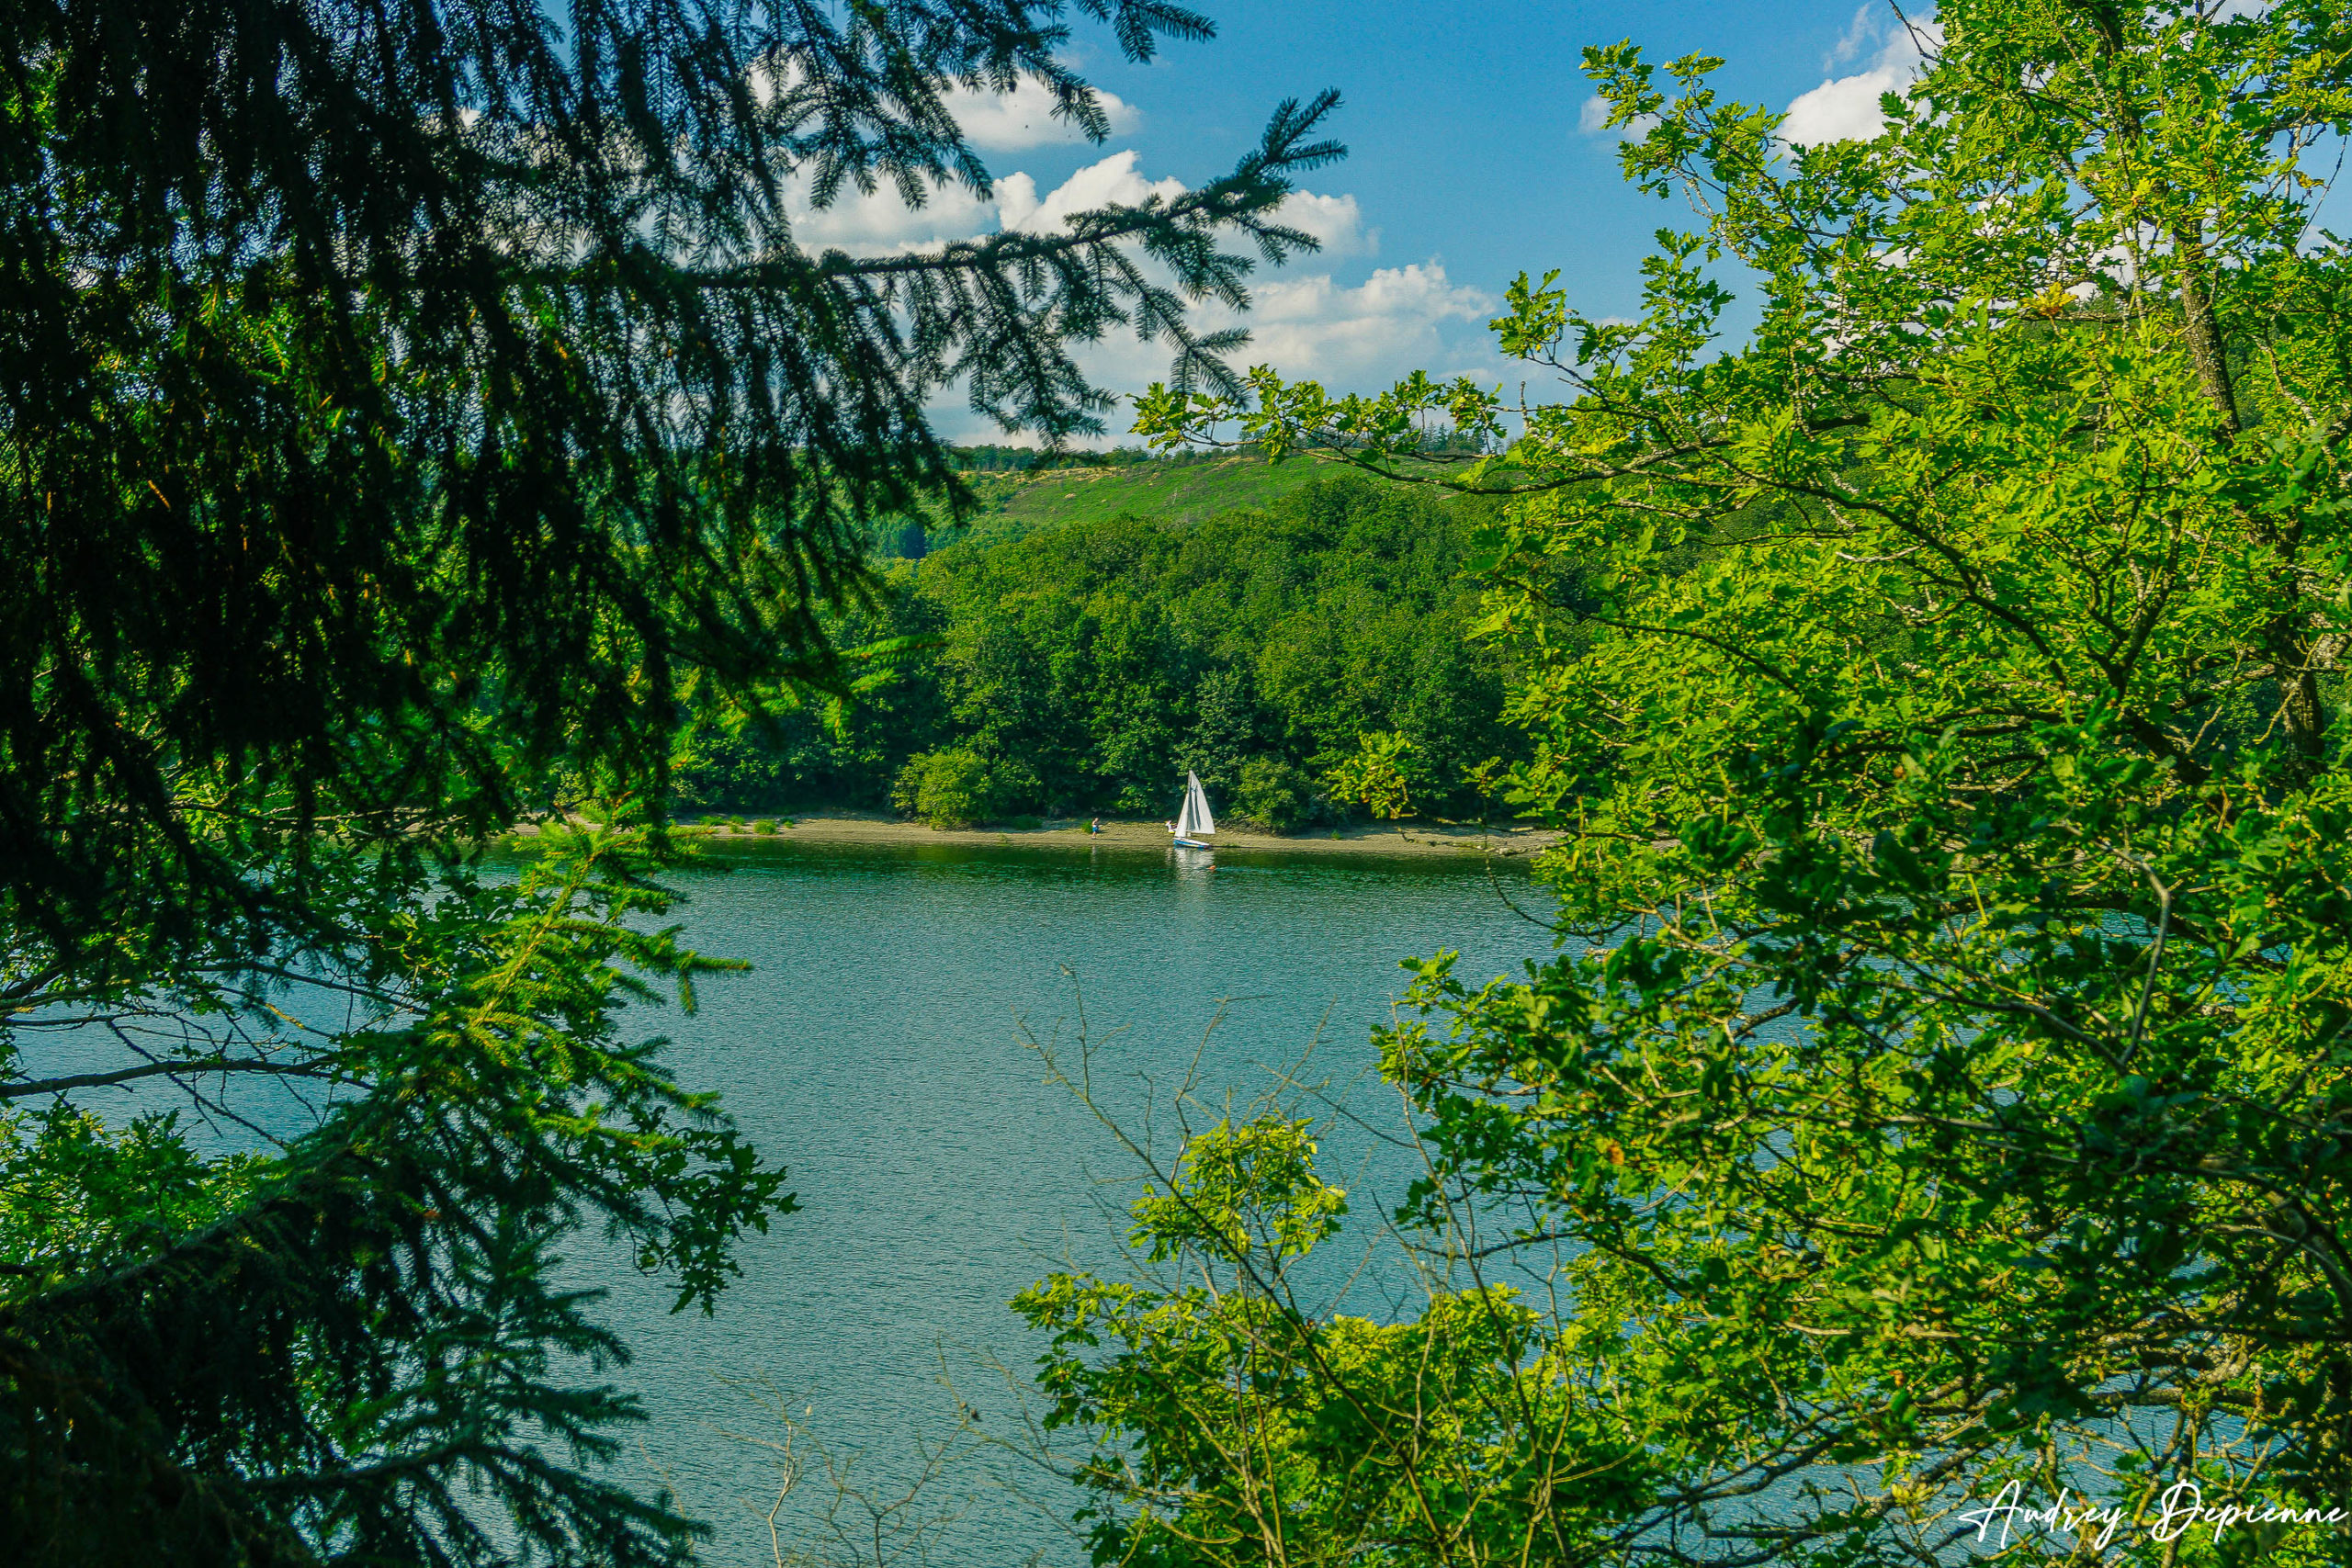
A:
[1085,667]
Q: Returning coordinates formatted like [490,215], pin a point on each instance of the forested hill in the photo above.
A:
[1084,665]
[1017,496]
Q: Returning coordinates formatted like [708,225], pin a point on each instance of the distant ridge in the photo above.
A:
[1187,488]
[1181,490]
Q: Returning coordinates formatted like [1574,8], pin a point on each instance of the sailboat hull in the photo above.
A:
[1192,844]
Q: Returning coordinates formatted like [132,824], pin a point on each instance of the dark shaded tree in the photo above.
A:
[408,416]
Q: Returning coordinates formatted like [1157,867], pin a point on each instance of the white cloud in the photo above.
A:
[1023,118]
[1869,19]
[1844,111]
[1349,337]
[883,223]
[1352,338]
[1847,109]
[1335,221]
[1358,337]
[1593,118]
[994,122]
[1111,182]
[1366,335]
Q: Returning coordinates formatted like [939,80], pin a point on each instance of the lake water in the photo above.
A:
[876,1048]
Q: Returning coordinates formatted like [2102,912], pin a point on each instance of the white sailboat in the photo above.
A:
[1193,823]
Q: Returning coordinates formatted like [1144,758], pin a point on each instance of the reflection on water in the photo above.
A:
[876,1048]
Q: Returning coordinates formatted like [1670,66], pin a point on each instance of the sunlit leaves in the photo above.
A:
[1945,1080]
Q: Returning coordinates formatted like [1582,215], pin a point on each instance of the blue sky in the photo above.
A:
[1468,161]
[1464,121]
[1472,158]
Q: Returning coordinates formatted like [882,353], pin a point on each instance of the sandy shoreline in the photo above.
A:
[1386,838]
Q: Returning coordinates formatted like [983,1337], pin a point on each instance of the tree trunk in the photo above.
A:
[2286,640]
[2206,350]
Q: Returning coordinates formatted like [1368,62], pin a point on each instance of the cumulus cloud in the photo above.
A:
[1113,181]
[1351,337]
[1846,108]
[1593,118]
[1369,334]
[884,222]
[1335,221]
[1023,118]
[1303,324]
[1356,337]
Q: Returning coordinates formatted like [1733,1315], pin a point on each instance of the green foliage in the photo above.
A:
[992,460]
[1181,488]
[348,1345]
[417,421]
[1945,1082]
[1275,795]
[79,1189]
[845,746]
[1377,775]
[1231,1427]
[1109,657]
[408,409]
[1113,656]
[955,786]
[1233,1185]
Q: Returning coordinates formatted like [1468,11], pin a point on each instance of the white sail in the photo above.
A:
[1198,799]
[1194,821]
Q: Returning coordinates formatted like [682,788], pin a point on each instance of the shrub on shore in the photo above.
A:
[955,786]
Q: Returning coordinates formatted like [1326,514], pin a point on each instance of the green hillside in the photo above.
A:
[1176,489]
[1187,488]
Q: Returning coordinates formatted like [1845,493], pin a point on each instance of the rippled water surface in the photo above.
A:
[876,1048]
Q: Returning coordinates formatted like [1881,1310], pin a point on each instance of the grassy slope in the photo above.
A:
[1180,492]
[1185,490]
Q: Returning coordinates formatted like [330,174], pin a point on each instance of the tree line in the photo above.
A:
[1086,668]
